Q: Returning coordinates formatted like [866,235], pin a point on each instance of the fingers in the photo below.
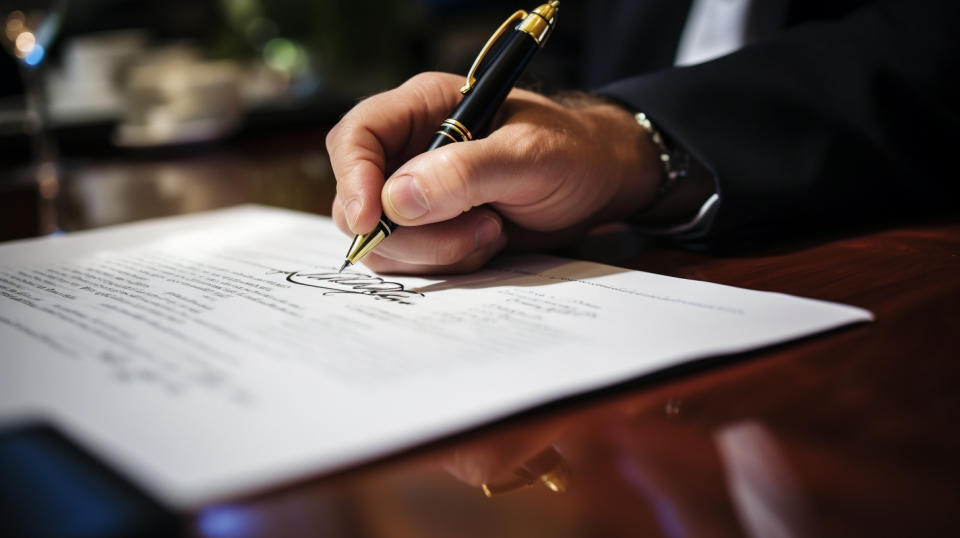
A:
[381,132]
[458,245]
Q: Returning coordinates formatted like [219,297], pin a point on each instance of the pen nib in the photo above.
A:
[346,264]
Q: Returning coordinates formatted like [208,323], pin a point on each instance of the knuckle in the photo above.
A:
[420,79]
[432,88]
[428,79]
[422,86]
[330,141]
[357,166]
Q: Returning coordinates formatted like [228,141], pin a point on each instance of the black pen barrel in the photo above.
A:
[472,116]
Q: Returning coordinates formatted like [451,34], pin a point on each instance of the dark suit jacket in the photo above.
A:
[838,110]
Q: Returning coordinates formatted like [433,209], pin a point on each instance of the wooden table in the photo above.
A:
[849,433]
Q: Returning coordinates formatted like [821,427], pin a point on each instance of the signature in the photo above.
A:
[334,283]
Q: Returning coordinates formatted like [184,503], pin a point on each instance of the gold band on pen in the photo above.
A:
[446,134]
[461,128]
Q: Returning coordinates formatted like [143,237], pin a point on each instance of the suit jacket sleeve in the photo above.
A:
[831,121]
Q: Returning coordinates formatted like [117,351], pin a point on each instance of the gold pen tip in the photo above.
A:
[346,264]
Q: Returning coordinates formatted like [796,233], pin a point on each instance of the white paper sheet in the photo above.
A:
[210,355]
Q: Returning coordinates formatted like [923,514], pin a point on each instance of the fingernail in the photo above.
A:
[352,212]
[487,231]
[407,198]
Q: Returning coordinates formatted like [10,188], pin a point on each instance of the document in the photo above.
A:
[217,354]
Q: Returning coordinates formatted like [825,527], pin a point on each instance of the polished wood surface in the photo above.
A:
[848,433]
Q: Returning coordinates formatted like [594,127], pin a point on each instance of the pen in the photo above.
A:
[483,94]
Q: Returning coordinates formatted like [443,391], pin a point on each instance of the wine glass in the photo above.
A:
[27,29]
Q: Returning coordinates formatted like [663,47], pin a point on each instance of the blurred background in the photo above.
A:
[119,110]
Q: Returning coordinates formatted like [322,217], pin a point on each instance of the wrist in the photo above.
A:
[684,184]
[642,178]
[630,158]
[681,202]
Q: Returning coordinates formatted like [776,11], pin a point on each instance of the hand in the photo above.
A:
[547,173]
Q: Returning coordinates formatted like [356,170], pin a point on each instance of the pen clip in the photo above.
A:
[471,76]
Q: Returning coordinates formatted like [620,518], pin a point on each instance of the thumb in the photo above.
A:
[443,183]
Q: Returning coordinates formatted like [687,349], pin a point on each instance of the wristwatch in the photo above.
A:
[674,160]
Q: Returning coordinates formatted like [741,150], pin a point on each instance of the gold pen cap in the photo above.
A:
[547,11]
[539,22]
